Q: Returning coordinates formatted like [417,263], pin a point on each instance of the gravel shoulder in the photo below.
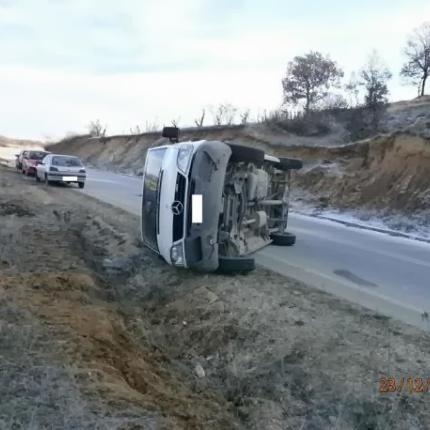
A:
[97,332]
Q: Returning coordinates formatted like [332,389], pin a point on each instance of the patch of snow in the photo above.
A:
[414,227]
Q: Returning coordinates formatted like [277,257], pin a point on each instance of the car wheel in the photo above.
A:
[289,164]
[37,177]
[235,264]
[23,171]
[46,180]
[246,154]
[283,239]
[81,184]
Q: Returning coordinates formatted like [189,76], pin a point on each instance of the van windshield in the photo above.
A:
[151,185]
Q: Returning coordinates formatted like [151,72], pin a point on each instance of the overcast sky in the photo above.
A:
[136,62]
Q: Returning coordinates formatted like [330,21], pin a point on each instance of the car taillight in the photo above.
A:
[53,169]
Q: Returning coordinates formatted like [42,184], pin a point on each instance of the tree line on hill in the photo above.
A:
[308,85]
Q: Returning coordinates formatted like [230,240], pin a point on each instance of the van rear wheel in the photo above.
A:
[289,164]
[235,264]
[283,239]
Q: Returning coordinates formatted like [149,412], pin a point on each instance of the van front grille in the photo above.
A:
[178,219]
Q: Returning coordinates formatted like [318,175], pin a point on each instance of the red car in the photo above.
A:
[30,160]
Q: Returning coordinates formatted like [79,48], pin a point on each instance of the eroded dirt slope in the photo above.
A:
[384,176]
[388,175]
[97,332]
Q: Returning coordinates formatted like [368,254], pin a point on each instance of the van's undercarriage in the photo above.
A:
[255,205]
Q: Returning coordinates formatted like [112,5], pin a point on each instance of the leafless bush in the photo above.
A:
[334,102]
[244,116]
[175,122]
[352,90]
[199,121]
[135,130]
[224,114]
[312,123]
[96,129]
[151,127]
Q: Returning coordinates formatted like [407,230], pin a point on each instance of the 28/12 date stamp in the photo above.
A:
[404,385]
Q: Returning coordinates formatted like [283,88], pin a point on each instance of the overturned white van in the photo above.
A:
[209,205]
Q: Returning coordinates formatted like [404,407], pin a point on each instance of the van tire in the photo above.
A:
[235,264]
[289,164]
[246,154]
[283,239]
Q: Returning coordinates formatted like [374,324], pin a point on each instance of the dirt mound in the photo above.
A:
[387,173]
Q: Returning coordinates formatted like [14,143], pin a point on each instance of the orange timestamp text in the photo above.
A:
[409,385]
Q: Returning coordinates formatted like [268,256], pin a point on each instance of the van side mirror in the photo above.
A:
[172,133]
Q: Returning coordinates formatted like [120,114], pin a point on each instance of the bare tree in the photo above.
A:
[352,89]
[199,121]
[96,129]
[224,114]
[244,117]
[175,122]
[417,51]
[135,130]
[374,77]
[151,127]
[309,78]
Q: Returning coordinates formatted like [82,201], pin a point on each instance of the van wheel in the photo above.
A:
[246,154]
[289,164]
[235,264]
[283,239]
[81,184]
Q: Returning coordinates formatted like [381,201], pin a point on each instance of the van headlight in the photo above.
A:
[177,255]
[184,157]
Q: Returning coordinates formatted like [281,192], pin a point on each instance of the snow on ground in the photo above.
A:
[414,227]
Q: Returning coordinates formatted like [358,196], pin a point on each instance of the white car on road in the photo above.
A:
[61,168]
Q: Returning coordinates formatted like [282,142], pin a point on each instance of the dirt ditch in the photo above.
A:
[97,332]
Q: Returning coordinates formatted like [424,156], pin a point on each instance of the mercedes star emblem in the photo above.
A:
[177,207]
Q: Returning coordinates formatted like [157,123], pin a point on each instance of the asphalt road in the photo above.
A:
[385,273]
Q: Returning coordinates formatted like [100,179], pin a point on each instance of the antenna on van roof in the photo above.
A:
[172,133]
